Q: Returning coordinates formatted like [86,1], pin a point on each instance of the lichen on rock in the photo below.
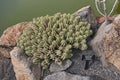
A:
[51,38]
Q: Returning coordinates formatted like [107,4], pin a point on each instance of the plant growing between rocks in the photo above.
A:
[51,38]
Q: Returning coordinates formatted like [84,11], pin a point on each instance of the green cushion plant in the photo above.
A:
[51,38]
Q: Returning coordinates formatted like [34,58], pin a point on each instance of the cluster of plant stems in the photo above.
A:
[101,6]
[51,38]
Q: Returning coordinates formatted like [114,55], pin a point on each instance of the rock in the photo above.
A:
[106,43]
[65,76]
[23,66]
[6,69]
[97,41]
[86,14]
[9,38]
[56,68]
[111,43]
[5,52]
[11,34]
[96,77]
[96,71]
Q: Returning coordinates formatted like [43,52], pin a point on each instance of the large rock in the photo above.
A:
[97,42]
[95,70]
[87,14]
[9,38]
[6,69]
[111,43]
[23,66]
[106,43]
[65,76]
[11,34]
[55,67]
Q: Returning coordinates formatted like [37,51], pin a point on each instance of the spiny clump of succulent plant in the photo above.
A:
[51,38]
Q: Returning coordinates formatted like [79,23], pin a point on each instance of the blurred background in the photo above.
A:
[15,11]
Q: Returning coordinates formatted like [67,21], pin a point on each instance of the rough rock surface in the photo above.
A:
[23,66]
[65,76]
[55,67]
[106,43]
[97,41]
[111,43]
[86,14]
[5,52]
[9,38]
[11,34]
[96,71]
[6,69]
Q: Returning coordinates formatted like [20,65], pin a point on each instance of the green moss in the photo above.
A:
[51,38]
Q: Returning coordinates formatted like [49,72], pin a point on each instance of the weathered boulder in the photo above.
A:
[87,14]
[23,66]
[66,76]
[97,41]
[95,70]
[11,34]
[57,68]
[6,69]
[9,38]
[106,43]
[111,43]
